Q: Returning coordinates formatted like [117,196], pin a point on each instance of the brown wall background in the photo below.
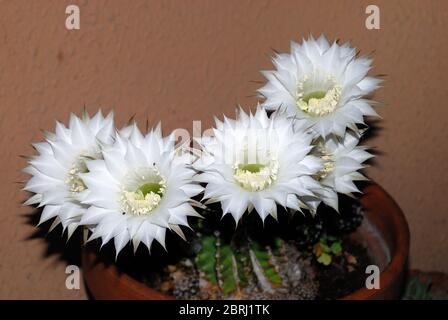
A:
[188,60]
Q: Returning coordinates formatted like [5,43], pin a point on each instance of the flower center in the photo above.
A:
[143,189]
[255,176]
[318,95]
[328,160]
[73,181]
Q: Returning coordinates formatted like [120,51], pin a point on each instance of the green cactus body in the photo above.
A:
[227,270]
[243,267]
[264,258]
[206,259]
[232,268]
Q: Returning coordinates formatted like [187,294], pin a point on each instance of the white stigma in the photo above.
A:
[142,192]
[256,177]
[318,97]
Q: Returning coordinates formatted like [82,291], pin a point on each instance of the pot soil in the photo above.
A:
[382,239]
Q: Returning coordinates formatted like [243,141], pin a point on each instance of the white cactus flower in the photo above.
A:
[56,171]
[142,188]
[257,162]
[321,85]
[342,159]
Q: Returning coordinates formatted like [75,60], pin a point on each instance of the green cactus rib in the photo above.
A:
[227,270]
[241,264]
[264,260]
[230,268]
[206,259]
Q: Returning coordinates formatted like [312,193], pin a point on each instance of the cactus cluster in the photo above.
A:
[230,268]
[236,263]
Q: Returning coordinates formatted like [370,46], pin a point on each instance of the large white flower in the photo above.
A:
[322,85]
[342,159]
[56,171]
[257,162]
[141,188]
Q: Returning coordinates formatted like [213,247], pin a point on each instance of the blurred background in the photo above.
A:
[180,61]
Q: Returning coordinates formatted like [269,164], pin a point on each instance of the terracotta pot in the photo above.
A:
[384,231]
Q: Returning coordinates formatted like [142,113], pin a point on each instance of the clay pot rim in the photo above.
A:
[398,261]
[399,257]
